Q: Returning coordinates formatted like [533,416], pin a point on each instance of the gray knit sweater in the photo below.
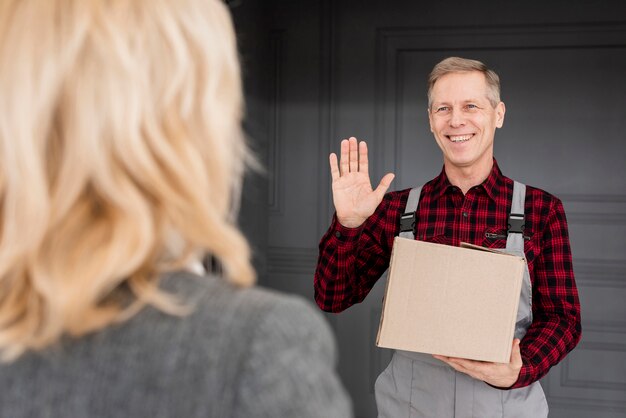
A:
[241,353]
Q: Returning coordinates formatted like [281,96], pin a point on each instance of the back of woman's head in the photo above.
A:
[121,155]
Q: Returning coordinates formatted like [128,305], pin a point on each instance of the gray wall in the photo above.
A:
[319,71]
[253,37]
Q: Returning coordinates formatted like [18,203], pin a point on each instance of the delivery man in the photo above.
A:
[469,201]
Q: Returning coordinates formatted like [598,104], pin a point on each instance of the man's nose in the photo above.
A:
[456,118]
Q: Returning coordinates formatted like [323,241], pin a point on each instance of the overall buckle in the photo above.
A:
[407,222]
[516,223]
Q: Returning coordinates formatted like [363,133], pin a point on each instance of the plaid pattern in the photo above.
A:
[352,259]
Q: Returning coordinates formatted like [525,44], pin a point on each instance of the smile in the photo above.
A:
[459,138]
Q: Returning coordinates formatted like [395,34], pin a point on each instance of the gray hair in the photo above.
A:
[462,65]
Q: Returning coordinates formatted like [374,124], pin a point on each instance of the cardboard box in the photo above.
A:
[453,301]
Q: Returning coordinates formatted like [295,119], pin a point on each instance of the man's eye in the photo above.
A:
[442,109]
[471,106]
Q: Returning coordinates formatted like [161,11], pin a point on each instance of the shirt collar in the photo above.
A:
[494,185]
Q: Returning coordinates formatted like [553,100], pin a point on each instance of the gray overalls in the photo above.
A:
[418,385]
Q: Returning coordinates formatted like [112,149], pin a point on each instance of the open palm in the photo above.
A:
[353,196]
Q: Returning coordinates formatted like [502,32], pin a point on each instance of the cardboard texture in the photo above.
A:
[453,301]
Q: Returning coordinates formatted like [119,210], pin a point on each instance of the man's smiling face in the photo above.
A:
[463,120]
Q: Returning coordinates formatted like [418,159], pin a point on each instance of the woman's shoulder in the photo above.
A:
[277,349]
[234,338]
[210,293]
[247,313]
[281,352]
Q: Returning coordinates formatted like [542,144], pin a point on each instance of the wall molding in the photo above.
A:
[568,382]
[276,193]
[393,42]
[577,404]
[326,109]
[605,326]
[595,272]
[613,212]
[287,260]
[588,218]
[592,198]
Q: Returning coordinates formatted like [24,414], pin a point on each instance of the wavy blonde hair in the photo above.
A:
[121,154]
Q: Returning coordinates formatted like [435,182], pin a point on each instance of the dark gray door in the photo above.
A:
[349,67]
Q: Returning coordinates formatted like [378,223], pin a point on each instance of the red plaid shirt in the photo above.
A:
[351,260]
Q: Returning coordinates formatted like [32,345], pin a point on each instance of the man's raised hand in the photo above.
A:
[354,199]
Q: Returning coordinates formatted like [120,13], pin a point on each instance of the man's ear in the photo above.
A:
[500,111]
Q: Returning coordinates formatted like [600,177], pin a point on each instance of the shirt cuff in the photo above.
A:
[524,378]
[342,234]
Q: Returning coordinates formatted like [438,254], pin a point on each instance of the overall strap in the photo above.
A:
[407,221]
[515,228]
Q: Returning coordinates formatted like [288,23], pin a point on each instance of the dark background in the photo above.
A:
[319,71]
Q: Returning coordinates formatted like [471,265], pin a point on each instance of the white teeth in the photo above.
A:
[460,138]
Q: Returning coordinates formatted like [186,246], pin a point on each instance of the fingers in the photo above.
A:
[354,155]
[344,162]
[385,182]
[465,365]
[334,168]
[463,369]
[516,355]
[457,364]
[354,158]
[497,374]
[363,160]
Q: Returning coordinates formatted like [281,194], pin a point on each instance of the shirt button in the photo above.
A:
[338,234]
[465,214]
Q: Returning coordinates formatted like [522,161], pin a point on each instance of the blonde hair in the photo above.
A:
[121,157]
[463,65]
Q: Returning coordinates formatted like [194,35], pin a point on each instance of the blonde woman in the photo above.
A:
[121,158]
